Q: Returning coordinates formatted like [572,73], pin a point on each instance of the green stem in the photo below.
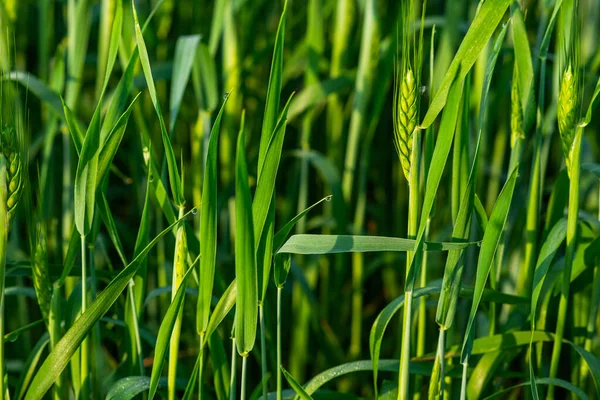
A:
[233,370]
[413,222]
[279,362]
[569,257]
[403,378]
[201,366]
[463,386]
[84,389]
[3,241]
[263,351]
[179,269]
[136,329]
[243,389]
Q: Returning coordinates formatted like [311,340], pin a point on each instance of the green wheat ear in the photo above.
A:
[568,100]
[41,279]
[516,112]
[405,118]
[10,150]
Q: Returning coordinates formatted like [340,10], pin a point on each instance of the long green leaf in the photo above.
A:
[273,92]
[246,315]
[225,304]
[208,227]
[174,177]
[491,238]
[487,19]
[295,385]
[329,244]
[185,54]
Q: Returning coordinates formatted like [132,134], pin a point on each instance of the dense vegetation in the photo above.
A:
[320,198]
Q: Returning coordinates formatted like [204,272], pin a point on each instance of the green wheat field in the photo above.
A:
[299,199]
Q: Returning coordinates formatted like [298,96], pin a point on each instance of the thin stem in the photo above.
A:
[136,328]
[201,366]
[442,351]
[233,370]
[3,241]
[84,391]
[413,221]
[463,385]
[243,390]
[263,351]
[279,362]
[405,350]
[569,257]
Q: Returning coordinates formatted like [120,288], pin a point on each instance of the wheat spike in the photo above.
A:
[516,114]
[14,184]
[568,100]
[41,279]
[405,118]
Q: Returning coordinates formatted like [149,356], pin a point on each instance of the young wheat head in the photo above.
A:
[567,113]
[9,149]
[41,279]
[405,117]
[516,111]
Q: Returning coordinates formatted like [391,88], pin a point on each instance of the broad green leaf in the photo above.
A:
[295,385]
[113,140]
[204,79]
[127,388]
[174,177]
[164,333]
[282,234]
[225,304]
[69,343]
[185,54]
[86,176]
[483,26]
[329,244]
[208,227]
[491,238]
[273,92]
[524,64]
[265,187]
[246,315]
